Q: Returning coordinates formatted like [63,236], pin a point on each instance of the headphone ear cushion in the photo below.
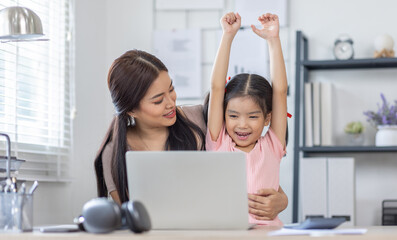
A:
[101,216]
[137,217]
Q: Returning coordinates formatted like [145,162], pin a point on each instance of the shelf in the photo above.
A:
[351,64]
[302,74]
[348,149]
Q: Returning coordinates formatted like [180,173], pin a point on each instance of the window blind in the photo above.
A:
[36,94]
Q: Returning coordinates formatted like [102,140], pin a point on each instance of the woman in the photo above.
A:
[147,119]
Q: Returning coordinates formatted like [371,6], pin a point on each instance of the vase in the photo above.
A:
[355,139]
[386,135]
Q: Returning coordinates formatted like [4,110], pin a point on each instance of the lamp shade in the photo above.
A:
[19,23]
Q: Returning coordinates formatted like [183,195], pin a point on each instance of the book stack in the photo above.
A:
[318,114]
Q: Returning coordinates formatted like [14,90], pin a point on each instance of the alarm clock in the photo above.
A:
[343,48]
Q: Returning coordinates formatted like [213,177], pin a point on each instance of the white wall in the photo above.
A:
[128,25]
[92,98]
[107,28]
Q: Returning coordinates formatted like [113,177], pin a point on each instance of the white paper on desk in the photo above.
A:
[317,232]
[180,51]
[58,228]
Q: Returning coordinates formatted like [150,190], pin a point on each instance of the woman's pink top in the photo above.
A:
[263,163]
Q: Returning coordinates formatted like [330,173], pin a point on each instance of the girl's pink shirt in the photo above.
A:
[263,163]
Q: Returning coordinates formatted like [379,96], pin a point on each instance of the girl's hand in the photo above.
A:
[270,26]
[231,23]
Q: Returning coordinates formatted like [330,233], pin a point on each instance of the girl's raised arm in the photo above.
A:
[270,32]
[230,24]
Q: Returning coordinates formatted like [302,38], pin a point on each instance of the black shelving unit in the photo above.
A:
[350,64]
[347,149]
[302,68]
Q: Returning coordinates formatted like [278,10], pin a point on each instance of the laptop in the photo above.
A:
[190,190]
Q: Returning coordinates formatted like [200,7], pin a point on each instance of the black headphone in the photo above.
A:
[101,215]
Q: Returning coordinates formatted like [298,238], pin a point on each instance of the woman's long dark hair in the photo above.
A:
[252,85]
[129,78]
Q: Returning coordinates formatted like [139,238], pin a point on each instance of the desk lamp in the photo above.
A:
[19,24]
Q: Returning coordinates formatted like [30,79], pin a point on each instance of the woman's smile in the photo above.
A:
[171,114]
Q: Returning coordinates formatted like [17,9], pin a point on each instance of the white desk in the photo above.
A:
[377,232]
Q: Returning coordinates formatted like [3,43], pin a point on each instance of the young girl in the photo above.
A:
[238,112]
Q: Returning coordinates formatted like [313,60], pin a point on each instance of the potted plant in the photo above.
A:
[354,131]
[385,120]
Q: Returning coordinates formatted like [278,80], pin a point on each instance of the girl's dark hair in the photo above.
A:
[129,78]
[247,85]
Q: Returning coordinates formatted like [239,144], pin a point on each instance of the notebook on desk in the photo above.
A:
[190,189]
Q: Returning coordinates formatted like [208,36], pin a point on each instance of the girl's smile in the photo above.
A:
[244,122]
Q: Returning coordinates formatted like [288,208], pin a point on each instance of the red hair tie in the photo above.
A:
[226,82]
[289,115]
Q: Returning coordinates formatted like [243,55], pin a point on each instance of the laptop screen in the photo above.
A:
[190,189]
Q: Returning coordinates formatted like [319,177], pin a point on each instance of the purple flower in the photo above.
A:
[384,120]
[386,115]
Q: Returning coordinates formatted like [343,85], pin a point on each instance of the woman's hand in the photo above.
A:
[231,23]
[270,26]
[267,203]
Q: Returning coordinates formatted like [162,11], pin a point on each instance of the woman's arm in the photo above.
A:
[270,32]
[267,203]
[107,172]
[282,200]
[230,24]
[115,197]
